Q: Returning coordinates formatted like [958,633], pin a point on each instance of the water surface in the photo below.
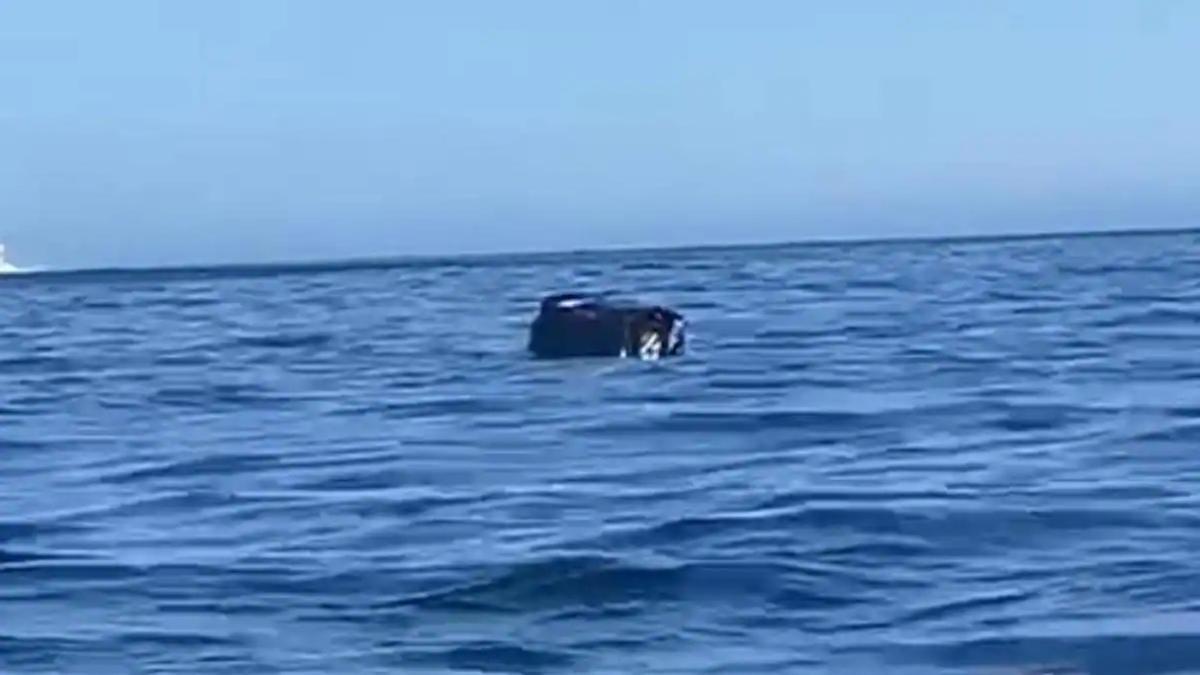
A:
[908,457]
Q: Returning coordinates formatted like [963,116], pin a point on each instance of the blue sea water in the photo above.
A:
[923,457]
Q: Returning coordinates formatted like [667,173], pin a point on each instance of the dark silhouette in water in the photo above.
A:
[575,325]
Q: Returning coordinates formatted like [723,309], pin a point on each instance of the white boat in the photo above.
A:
[5,267]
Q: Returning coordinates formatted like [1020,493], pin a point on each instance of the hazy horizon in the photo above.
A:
[389,259]
[142,133]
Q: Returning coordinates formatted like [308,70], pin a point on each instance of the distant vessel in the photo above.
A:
[5,267]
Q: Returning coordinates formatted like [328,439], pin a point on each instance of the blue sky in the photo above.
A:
[138,132]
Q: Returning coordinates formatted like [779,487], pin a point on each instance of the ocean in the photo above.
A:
[907,457]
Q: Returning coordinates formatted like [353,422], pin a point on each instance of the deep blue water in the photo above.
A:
[909,457]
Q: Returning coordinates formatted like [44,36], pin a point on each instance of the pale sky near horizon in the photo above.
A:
[144,133]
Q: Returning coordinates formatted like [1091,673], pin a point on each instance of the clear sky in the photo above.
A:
[139,132]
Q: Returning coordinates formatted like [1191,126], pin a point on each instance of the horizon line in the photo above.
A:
[364,262]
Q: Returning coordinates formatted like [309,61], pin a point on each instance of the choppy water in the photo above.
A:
[924,457]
